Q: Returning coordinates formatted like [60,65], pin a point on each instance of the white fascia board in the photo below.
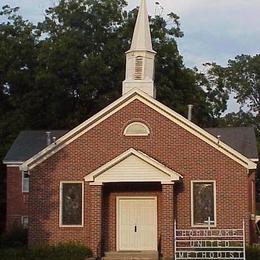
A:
[174,176]
[9,163]
[136,94]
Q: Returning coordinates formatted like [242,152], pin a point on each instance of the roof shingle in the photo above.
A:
[29,143]
[242,139]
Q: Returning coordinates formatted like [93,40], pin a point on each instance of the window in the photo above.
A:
[203,203]
[136,129]
[71,204]
[25,181]
[25,221]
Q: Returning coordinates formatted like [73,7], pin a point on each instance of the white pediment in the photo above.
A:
[133,166]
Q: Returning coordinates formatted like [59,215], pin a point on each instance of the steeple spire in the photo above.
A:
[142,36]
[140,57]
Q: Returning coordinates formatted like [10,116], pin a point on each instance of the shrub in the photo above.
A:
[253,253]
[62,251]
[13,254]
[17,237]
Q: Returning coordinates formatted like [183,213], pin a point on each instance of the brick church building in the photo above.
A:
[119,180]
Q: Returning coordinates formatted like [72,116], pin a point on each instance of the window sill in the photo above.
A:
[71,226]
[203,226]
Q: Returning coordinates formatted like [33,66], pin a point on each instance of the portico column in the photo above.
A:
[167,228]
[96,219]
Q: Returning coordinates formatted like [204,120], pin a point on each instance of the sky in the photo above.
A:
[214,30]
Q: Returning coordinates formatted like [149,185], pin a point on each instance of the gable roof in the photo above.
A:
[136,167]
[136,94]
[242,139]
[27,144]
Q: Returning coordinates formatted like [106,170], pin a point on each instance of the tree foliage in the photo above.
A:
[242,77]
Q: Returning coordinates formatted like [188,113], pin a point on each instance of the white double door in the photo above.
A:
[137,223]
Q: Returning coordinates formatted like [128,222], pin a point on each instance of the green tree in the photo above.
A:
[241,76]
[17,63]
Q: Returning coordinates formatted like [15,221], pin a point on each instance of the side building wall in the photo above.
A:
[16,200]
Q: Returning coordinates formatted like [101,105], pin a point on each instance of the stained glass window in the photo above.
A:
[203,203]
[71,208]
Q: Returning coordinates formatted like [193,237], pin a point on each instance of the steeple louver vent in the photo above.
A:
[138,68]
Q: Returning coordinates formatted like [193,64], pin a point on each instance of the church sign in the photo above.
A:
[209,244]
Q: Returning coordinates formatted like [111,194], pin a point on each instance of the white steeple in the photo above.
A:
[140,57]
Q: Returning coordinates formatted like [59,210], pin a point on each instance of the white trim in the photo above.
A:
[255,160]
[60,205]
[137,123]
[167,182]
[23,190]
[118,198]
[136,94]
[9,164]
[13,166]
[173,176]
[96,183]
[215,203]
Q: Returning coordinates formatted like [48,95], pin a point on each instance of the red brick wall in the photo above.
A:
[168,143]
[167,224]
[252,205]
[95,220]
[17,201]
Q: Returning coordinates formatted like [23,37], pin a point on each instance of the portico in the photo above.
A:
[136,197]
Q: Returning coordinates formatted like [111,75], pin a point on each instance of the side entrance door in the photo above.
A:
[136,223]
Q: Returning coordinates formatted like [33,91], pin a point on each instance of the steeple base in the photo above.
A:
[145,86]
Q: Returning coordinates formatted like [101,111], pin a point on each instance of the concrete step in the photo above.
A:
[131,255]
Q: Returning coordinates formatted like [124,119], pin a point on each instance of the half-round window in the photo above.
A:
[137,129]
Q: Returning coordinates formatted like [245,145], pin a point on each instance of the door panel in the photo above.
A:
[137,224]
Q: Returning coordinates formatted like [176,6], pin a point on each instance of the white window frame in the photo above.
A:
[215,204]
[22,221]
[23,179]
[60,209]
[137,123]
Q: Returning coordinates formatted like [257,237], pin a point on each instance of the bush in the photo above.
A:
[62,251]
[17,237]
[253,253]
[65,251]
[13,254]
